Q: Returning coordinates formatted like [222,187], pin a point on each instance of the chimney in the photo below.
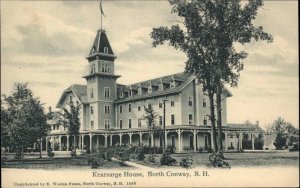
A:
[50,110]
[257,122]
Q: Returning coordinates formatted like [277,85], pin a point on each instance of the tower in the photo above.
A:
[101,84]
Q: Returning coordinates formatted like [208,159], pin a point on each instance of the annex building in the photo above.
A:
[111,113]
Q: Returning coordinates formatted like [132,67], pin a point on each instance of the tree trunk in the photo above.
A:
[213,120]
[219,118]
[154,146]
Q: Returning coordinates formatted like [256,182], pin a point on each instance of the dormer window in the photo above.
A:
[121,94]
[71,99]
[149,88]
[130,93]
[172,84]
[106,50]
[140,90]
[160,86]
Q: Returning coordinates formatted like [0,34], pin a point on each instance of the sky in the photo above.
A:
[45,44]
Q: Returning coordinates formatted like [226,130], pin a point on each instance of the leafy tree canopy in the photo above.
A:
[23,119]
[72,118]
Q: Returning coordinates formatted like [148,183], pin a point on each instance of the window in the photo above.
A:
[105,66]
[139,122]
[106,50]
[121,124]
[190,119]
[204,102]
[120,109]
[92,110]
[121,94]
[172,103]
[106,109]
[106,92]
[190,101]
[139,108]
[92,68]
[172,84]
[160,104]
[106,123]
[140,90]
[149,89]
[231,136]
[160,86]
[130,93]
[205,120]
[71,99]
[53,127]
[92,125]
[172,119]
[129,107]
[92,92]
[129,123]
[160,120]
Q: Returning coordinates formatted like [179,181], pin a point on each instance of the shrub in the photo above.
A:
[122,154]
[217,160]
[96,159]
[166,159]
[186,162]
[171,149]
[141,156]
[151,159]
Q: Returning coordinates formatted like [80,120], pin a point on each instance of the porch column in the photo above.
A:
[141,138]
[105,141]
[179,138]
[241,141]
[110,139]
[79,142]
[41,145]
[130,139]
[151,137]
[67,142]
[82,141]
[194,139]
[46,143]
[166,139]
[226,141]
[91,139]
[59,140]
[52,143]
[120,135]
[97,140]
[211,140]
[252,139]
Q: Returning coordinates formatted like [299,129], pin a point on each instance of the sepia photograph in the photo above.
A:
[149,93]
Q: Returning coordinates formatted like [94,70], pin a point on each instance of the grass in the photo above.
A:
[237,159]
[199,159]
[57,163]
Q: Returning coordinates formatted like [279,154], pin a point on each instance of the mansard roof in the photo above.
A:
[100,43]
[78,90]
[180,78]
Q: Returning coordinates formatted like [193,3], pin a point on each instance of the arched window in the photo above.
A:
[106,50]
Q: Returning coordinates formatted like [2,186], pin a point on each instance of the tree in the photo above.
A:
[280,141]
[150,117]
[284,131]
[23,120]
[211,28]
[72,120]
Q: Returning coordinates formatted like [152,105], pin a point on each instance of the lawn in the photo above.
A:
[199,159]
[57,163]
[237,159]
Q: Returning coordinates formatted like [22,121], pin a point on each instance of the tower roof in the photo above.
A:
[101,45]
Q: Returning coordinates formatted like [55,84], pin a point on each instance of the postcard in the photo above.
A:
[136,93]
